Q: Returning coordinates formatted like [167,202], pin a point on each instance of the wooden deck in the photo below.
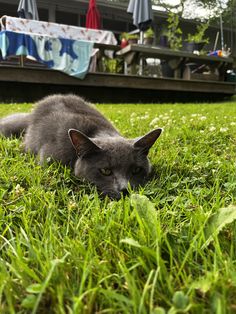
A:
[31,83]
[145,76]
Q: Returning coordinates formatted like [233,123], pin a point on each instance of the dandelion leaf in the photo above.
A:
[146,211]
[218,221]
[205,283]
[131,242]
[34,288]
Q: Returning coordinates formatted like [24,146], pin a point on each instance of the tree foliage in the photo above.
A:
[215,7]
[189,9]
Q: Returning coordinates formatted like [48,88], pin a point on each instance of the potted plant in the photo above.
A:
[128,39]
[133,38]
[174,41]
[197,41]
[174,32]
[123,40]
[163,39]
[149,36]
[114,65]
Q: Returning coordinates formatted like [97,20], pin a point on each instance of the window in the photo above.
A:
[68,18]
[43,14]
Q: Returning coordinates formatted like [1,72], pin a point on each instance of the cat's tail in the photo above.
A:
[15,124]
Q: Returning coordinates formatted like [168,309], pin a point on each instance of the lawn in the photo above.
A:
[169,247]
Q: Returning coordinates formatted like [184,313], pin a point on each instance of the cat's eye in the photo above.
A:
[136,170]
[105,171]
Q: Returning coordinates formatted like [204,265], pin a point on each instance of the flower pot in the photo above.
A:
[192,46]
[132,41]
[123,43]
[164,41]
[148,41]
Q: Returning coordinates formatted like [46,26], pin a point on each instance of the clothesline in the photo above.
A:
[15,24]
[70,56]
[61,47]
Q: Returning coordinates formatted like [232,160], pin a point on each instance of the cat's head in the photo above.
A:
[112,163]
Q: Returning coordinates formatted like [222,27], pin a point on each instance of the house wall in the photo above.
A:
[74,13]
[114,18]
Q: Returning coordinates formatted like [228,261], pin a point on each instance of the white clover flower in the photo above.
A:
[233,123]
[72,205]
[223,130]
[201,131]
[145,117]
[212,128]
[170,121]
[202,118]
[154,121]
[19,190]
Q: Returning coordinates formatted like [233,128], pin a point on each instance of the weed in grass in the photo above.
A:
[167,248]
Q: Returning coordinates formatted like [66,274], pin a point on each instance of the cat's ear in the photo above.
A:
[145,142]
[82,144]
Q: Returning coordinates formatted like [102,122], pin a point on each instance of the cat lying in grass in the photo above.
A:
[67,129]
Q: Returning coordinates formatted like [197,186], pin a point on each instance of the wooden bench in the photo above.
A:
[177,60]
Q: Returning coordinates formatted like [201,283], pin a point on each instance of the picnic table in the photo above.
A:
[179,61]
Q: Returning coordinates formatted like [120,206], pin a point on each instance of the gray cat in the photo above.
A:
[67,129]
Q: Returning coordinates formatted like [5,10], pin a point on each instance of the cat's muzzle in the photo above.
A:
[115,195]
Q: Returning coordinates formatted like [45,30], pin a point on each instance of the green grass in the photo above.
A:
[168,248]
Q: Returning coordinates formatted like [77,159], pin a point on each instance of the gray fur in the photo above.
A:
[67,129]
[15,124]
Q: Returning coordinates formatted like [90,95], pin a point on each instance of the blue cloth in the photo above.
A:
[67,55]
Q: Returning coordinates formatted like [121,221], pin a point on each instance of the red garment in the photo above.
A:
[93,16]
